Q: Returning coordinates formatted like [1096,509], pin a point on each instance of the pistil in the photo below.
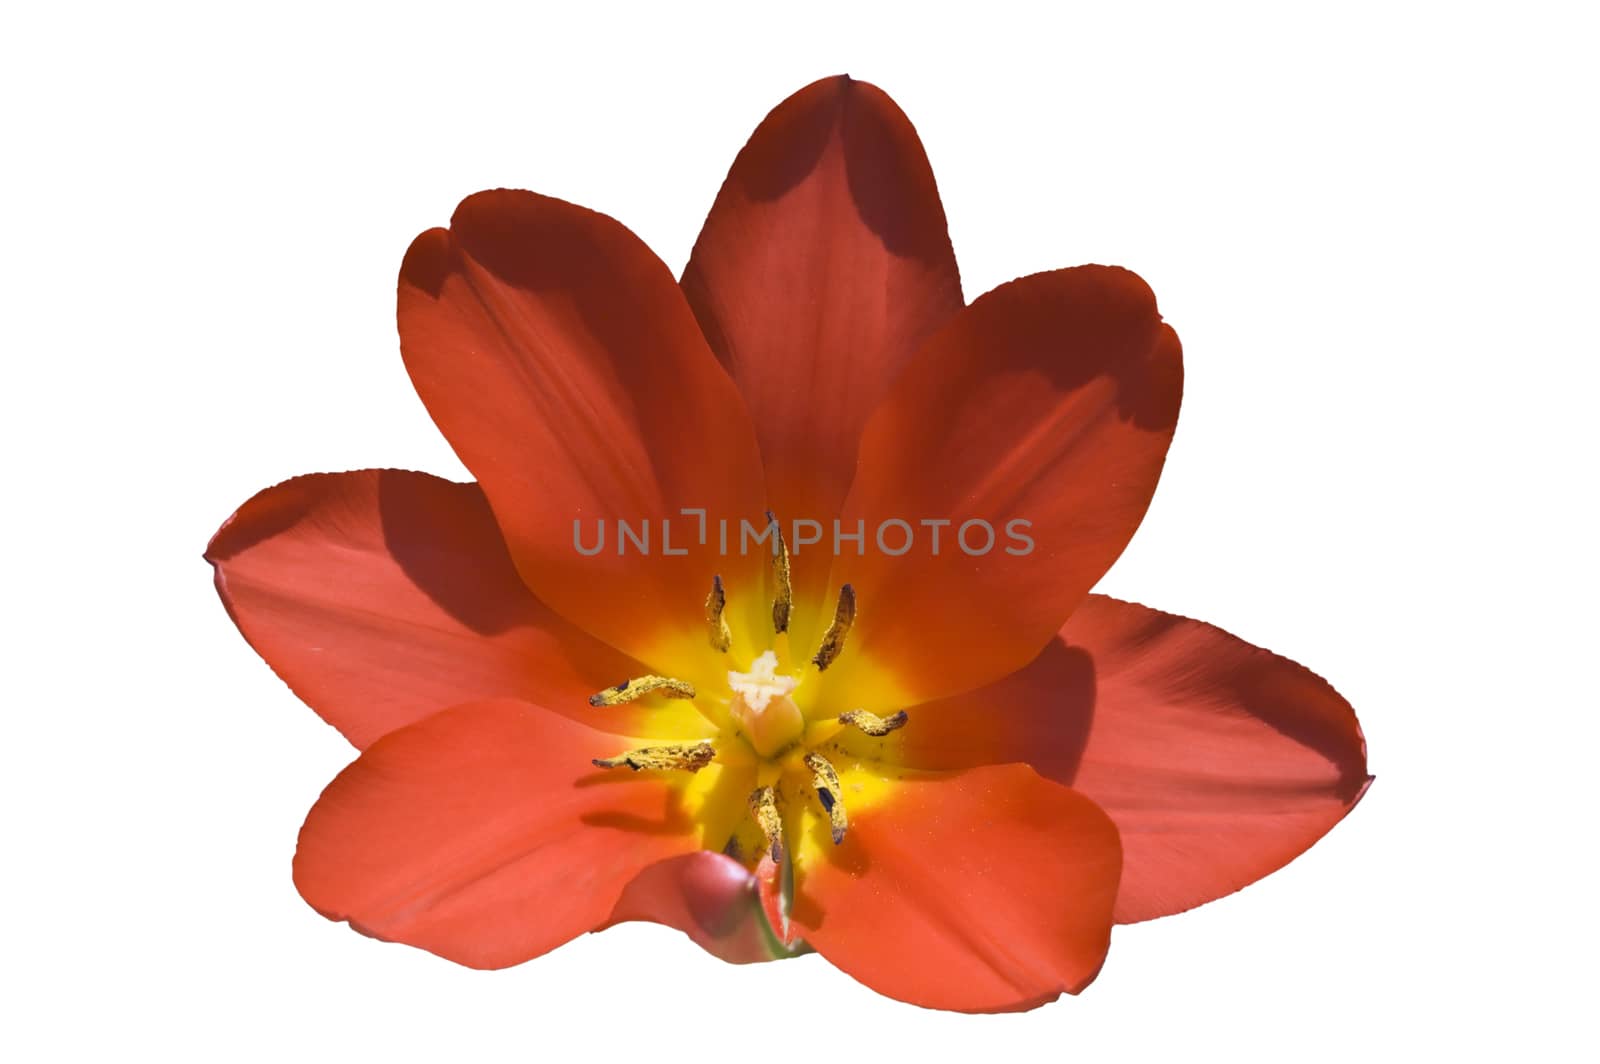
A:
[763,706]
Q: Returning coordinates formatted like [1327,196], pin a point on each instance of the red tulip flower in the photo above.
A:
[898,730]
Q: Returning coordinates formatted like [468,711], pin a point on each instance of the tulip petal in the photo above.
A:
[822,266]
[558,356]
[484,834]
[384,596]
[1219,762]
[710,897]
[989,890]
[1049,403]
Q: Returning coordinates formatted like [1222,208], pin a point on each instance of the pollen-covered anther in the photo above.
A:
[690,756]
[871,723]
[783,594]
[826,780]
[716,624]
[764,807]
[833,639]
[640,686]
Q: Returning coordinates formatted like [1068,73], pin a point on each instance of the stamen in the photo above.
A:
[764,807]
[826,780]
[721,636]
[691,756]
[639,686]
[780,573]
[833,639]
[871,723]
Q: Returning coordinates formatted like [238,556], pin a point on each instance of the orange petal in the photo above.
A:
[1049,401]
[711,898]
[559,357]
[383,596]
[1218,761]
[484,834]
[823,264]
[985,891]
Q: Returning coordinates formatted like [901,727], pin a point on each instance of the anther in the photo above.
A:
[833,639]
[871,723]
[721,636]
[764,807]
[691,756]
[826,780]
[783,598]
[639,686]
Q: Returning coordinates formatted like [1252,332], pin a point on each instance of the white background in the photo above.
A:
[1374,228]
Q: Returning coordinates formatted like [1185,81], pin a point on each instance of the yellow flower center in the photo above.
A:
[768,751]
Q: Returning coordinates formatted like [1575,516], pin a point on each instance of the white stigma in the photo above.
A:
[761,684]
